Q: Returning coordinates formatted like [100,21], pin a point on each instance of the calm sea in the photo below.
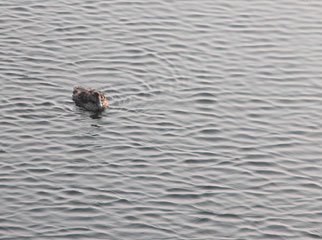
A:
[213,129]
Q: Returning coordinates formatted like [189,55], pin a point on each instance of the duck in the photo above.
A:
[89,99]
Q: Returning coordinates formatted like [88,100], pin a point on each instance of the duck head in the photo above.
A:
[99,99]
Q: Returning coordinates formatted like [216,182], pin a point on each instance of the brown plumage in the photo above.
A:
[90,99]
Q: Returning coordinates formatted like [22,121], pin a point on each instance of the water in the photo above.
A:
[213,129]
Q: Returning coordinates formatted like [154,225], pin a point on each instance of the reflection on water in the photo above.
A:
[96,115]
[213,129]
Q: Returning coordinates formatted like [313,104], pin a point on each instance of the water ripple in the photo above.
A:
[213,120]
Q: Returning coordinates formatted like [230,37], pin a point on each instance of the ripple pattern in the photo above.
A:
[213,129]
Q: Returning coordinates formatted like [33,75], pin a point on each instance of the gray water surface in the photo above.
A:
[213,129]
